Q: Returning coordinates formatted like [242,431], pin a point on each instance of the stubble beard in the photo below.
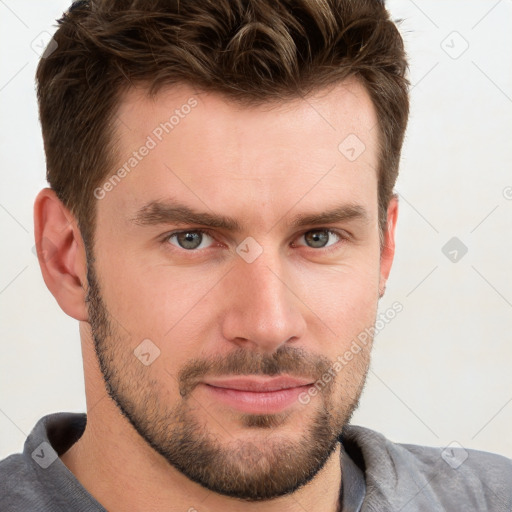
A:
[265,464]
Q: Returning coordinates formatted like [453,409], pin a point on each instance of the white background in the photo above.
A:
[441,369]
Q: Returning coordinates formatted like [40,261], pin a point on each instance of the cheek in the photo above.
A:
[342,305]
[159,302]
[343,293]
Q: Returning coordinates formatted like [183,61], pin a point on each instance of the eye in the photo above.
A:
[190,240]
[320,238]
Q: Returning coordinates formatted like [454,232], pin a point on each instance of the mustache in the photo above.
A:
[286,360]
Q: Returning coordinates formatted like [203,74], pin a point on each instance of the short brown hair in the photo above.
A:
[252,51]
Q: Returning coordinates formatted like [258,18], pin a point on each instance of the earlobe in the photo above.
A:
[388,246]
[61,253]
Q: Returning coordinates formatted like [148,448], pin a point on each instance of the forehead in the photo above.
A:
[217,153]
[336,111]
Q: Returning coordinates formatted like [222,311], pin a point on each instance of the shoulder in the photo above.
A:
[444,478]
[19,485]
[37,479]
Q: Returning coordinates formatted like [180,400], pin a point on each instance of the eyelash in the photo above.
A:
[343,237]
[198,230]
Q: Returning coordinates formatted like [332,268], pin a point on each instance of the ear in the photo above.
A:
[388,244]
[61,253]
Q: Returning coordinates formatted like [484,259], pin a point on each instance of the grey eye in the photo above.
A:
[320,238]
[190,240]
[316,239]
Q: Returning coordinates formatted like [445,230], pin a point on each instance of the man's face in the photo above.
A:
[242,309]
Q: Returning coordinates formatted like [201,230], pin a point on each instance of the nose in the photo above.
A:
[263,312]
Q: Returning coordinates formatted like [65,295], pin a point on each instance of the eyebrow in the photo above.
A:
[159,212]
[341,213]
[168,212]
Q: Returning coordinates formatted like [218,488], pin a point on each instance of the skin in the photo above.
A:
[261,166]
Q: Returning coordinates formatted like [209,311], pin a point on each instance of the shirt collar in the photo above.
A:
[353,484]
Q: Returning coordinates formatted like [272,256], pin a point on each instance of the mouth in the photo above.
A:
[255,394]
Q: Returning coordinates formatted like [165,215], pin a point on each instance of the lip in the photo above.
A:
[258,383]
[257,395]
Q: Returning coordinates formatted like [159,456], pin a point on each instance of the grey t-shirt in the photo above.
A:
[378,475]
